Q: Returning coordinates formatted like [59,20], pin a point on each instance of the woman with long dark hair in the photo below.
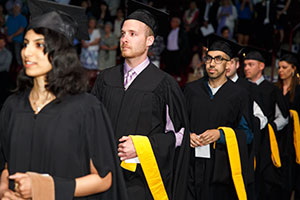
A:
[56,141]
[289,83]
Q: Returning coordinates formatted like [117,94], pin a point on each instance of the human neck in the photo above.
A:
[287,82]
[134,62]
[39,92]
[286,85]
[232,76]
[256,78]
[217,81]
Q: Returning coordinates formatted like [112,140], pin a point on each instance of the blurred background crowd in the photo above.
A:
[266,24]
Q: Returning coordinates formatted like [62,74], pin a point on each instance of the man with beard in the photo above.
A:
[147,110]
[220,126]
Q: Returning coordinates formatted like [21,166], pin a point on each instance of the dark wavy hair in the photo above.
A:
[67,75]
[295,79]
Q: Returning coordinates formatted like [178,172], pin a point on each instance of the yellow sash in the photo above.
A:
[274,148]
[235,162]
[149,165]
[296,134]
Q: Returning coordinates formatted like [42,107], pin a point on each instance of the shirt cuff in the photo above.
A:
[222,137]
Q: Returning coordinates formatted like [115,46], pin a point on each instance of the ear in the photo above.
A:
[261,66]
[149,40]
[294,68]
[237,64]
[227,65]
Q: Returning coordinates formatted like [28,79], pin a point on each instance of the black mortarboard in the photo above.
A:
[218,43]
[156,19]
[290,57]
[68,20]
[253,53]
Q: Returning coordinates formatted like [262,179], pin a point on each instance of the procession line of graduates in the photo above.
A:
[257,112]
[223,137]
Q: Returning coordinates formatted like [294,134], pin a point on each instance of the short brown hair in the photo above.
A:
[149,32]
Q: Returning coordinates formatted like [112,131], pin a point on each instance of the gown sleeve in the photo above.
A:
[177,112]
[3,123]
[103,150]
[2,161]
[98,86]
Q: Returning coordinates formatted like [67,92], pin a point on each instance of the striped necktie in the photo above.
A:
[128,78]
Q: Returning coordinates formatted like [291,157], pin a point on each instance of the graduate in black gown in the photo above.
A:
[147,110]
[259,119]
[56,140]
[216,102]
[289,83]
[270,160]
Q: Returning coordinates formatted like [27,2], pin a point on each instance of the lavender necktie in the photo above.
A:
[128,78]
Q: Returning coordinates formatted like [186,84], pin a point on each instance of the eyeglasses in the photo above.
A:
[218,59]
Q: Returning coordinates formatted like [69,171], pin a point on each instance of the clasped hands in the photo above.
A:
[126,149]
[207,137]
[22,188]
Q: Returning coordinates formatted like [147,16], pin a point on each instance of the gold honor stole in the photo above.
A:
[274,147]
[296,134]
[235,162]
[149,165]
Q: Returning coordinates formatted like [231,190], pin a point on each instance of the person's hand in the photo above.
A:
[104,47]
[84,44]
[195,140]
[22,184]
[209,136]
[10,195]
[126,149]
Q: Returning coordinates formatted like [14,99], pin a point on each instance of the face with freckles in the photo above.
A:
[34,59]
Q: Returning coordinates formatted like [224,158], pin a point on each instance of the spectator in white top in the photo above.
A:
[227,15]
[90,48]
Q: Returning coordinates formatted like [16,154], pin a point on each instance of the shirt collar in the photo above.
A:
[235,78]
[260,80]
[138,69]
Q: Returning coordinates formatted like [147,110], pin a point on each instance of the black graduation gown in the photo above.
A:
[60,141]
[271,95]
[252,89]
[292,173]
[6,85]
[141,110]
[225,109]
[254,146]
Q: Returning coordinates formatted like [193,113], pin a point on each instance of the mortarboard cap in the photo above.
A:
[68,20]
[218,43]
[290,57]
[155,19]
[253,53]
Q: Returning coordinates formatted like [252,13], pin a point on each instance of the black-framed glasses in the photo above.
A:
[218,59]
